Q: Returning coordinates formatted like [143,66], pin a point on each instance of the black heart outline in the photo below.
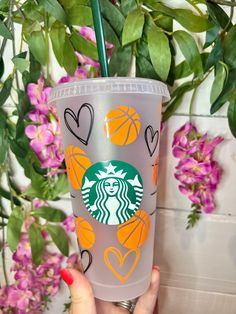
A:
[153,135]
[90,259]
[70,112]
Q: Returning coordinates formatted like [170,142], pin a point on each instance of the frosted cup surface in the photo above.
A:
[111,132]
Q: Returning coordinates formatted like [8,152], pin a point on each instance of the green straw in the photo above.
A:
[98,27]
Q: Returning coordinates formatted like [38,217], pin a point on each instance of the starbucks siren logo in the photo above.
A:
[112,191]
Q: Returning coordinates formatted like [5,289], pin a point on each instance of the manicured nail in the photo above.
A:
[156,267]
[66,276]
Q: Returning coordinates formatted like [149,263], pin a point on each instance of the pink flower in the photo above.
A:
[194,167]
[38,117]
[209,146]
[19,298]
[72,260]
[37,203]
[69,224]
[180,136]
[83,60]
[40,136]
[89,34]
[23,252]
[24,279]
[207,201]
[80,74]
[51,157]
[28,222]
[192,195]
[197,172]
[38,95]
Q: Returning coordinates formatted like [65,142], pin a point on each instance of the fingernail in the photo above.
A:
[156,267]
[66,276]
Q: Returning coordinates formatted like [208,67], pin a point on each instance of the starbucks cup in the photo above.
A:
[110,131]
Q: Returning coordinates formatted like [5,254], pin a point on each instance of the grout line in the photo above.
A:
[181,210]
[201,115]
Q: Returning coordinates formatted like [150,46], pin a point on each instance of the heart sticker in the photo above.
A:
[112,255]
[74,122]
[151,139]
[86,259]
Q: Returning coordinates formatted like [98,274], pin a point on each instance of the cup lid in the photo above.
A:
[110,85]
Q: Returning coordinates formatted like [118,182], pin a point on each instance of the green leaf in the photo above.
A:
[50,214]
[3,143]
[60,238]
[211,36]
[228,92]
[215,55]
[163,21]
[54,8]
[57,35]
[21,64]
[133,27]
[1,67]
[229,45]
[145,69]
[14,226]
[218,15]
[70,61]
[110,35]
[120,61]
[37,244]
[190,21]
[232,117]
[159,50]
[128,6]
[8,196]
[6,90]
[190,51]
[61,186]
[194,216]
[84,46]
[4,32]
[37,45]
[80,15]
[17,149]
[177,97]
[35,69]
[113,16]
[182,70]
[218,83]
[23,105]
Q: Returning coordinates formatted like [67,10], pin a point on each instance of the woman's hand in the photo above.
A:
[83,301]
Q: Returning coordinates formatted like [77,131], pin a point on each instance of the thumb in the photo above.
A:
[82,297]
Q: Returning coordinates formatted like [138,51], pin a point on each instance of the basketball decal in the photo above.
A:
[133,233]
[85,233]
[155,166]
[112,191]
[122,125]
[76,164]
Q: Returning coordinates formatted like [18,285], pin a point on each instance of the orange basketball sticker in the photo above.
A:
[76,164]
[122,125]
[85,233]
[155,166]
[117,262]
[134,232]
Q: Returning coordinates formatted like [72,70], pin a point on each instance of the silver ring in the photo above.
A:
[128,305]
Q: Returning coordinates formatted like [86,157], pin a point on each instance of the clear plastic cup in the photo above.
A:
[110,132]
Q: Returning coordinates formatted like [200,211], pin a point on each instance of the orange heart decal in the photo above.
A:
[121,259]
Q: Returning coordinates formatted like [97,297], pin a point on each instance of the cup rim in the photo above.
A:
[103,85]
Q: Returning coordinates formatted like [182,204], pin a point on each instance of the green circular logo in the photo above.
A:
[112,191]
